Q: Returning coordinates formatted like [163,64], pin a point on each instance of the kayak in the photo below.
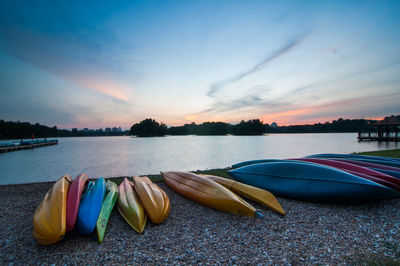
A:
[90,206]
[74,198]
[207,192]
[155,201]
[362,158]
[49,220]
[106,209]
[372,175]
[256,194]
[353,156]
[130,207]
[246,163]
[389,170]
[311,182]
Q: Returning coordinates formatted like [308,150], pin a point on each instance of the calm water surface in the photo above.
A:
[119,156]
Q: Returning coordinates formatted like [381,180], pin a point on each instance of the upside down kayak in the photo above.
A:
[207,192]
[312,182]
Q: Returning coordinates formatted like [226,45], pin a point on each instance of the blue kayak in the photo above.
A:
[312,182]
[245,163]
[90,206]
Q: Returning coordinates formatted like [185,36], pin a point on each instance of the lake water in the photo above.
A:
[121,156]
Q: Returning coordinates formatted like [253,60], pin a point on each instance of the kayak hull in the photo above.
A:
[155,201]
[49,220]
[106,209]
[130,206]
[311,182]
[207,192]
[90,206]
[253,193]
[364,172]
[74,198]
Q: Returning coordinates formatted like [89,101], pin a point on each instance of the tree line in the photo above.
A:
[149,127]
[25,130]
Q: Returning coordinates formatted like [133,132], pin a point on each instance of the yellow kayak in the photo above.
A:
[130,207]
[259,195]
[207,192]
[49,220]
[154,199]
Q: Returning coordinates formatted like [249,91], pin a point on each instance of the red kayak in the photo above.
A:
[370,165]
[364,172]
[73,199]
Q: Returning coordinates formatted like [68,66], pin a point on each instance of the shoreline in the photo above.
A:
[309,233]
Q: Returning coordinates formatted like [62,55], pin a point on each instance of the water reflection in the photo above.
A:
[117,156]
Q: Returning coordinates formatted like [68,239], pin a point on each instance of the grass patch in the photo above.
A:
[387,153]
[223,172]
[118,180]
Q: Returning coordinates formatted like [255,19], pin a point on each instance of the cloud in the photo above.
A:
[88,56]
[258,66]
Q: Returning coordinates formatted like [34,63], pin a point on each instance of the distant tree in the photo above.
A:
[251,127]
[149,128]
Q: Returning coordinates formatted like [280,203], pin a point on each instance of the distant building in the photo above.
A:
[85,130]
[107,130]
[274,125]
[114,129]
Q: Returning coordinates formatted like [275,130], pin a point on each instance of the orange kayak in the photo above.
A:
[207,192]
[49,220]
[130,206]
[155,201]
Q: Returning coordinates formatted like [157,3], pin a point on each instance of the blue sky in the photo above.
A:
[96,64]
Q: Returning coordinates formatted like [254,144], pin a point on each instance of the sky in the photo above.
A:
[101,64]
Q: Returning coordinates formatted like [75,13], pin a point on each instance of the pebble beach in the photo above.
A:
[309,233]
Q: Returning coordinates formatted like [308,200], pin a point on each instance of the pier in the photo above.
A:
[27,145]
[386,130]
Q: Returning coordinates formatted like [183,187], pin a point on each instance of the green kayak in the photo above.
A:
[106,209]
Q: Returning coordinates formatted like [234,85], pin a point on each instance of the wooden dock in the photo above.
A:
[378,136]
[26,147]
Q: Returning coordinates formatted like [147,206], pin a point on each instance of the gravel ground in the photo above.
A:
[310,233]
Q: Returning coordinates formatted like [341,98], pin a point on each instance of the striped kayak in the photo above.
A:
[362,158]
[90,206]
[207,192]
[106,209]
[353,156]
[49,220]
[130,206]
[367,173]
[389,170]
[312,182]
[155,201]
[74,198]
[256,194]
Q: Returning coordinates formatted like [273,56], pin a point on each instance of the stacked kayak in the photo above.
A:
[79,204]
[131,207]
[208,192]
[90,206]
[310,181]
[74,198]
[155,200]
[49,220]
[388,161]
[140,199]
[256,194]
[106,209]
